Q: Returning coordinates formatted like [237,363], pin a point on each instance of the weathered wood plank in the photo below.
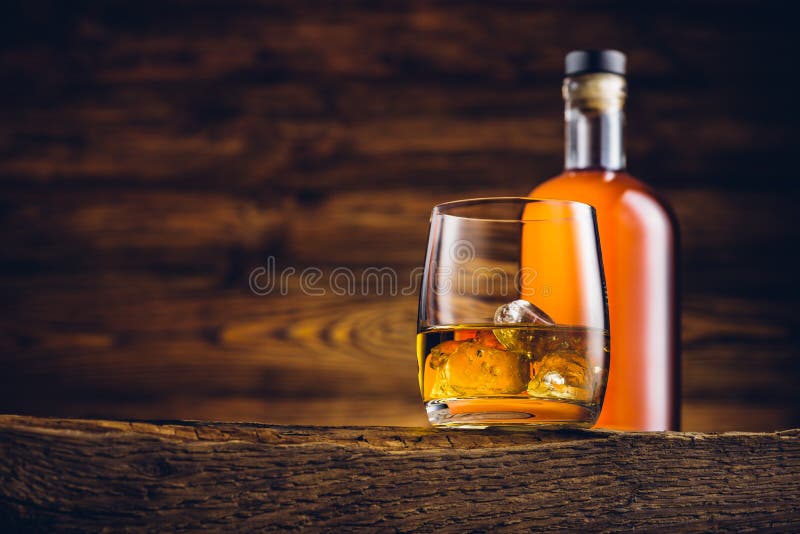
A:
[86,475]
[150,347]
[282,91]
[726,235]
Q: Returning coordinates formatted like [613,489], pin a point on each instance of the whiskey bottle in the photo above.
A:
[638,238]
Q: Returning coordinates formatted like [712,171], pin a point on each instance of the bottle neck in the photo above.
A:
[594,118]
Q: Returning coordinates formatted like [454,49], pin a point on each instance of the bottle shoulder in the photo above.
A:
[608,183]
[607,191]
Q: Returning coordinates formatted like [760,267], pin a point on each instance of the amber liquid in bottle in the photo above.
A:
[638,239]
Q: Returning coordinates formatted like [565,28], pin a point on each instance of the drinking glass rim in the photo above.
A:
[440,209]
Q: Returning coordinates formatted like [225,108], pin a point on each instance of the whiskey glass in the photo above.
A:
[513,319]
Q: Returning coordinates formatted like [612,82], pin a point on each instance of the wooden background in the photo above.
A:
[151,156]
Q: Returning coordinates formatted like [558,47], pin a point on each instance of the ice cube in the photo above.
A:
[561,375]
[441,352]
[480,366]
[519,312]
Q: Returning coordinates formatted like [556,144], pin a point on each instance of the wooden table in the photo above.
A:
[91,474]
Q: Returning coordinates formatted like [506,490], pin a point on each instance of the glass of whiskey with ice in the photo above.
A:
[513,318]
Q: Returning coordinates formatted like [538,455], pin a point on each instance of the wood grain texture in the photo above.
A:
[152,157]
[189,230]
[299,94]
[146,347]
[88,475]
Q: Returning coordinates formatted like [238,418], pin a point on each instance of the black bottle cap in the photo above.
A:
[590,61]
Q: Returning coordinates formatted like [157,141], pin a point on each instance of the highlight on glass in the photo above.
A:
[513,319]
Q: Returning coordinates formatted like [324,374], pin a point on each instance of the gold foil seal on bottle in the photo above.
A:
[598,91]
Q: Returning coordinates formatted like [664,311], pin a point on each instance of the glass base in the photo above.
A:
[485,412]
